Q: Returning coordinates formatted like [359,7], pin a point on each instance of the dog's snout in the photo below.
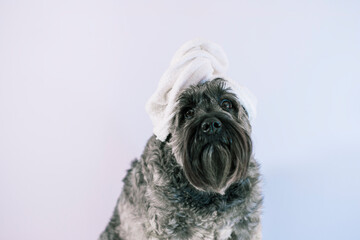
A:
[211,125]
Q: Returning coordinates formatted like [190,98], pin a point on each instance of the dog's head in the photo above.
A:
[210,136]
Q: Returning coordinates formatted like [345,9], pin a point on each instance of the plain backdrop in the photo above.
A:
[75,77]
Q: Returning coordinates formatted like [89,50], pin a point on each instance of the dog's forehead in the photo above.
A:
[208,92]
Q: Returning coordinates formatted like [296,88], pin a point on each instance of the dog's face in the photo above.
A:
[210,136]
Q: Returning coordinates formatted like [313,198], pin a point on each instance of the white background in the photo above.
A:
[75,77]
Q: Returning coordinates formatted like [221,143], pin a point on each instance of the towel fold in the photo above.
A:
[195,62]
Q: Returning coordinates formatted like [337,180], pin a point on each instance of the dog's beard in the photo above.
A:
[212,163]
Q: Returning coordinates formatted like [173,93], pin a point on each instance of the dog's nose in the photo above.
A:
[211,125]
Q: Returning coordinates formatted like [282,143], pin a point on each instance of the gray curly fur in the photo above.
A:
[159,201]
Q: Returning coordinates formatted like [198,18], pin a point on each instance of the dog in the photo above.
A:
[202,182]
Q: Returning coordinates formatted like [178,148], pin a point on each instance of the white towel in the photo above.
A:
[196,61]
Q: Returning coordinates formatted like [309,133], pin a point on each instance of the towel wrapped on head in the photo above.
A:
[195,62]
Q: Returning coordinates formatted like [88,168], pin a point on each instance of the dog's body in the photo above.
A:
[201,183]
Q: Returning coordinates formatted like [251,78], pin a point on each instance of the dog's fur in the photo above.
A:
[201,183]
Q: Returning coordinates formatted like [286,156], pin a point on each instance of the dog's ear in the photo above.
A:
[247,114]
[172,128]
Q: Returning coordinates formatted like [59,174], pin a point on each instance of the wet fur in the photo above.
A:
[172,192]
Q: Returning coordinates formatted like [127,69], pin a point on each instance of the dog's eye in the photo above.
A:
[226,104]
[189,113]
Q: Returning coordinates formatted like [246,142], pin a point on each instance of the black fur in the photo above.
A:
[212,163]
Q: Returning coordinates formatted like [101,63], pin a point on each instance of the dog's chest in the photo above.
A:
[224,232]
[196,215]
[219,229]
[205,227]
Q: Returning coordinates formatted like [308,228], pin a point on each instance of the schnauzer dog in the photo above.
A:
[201,183]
